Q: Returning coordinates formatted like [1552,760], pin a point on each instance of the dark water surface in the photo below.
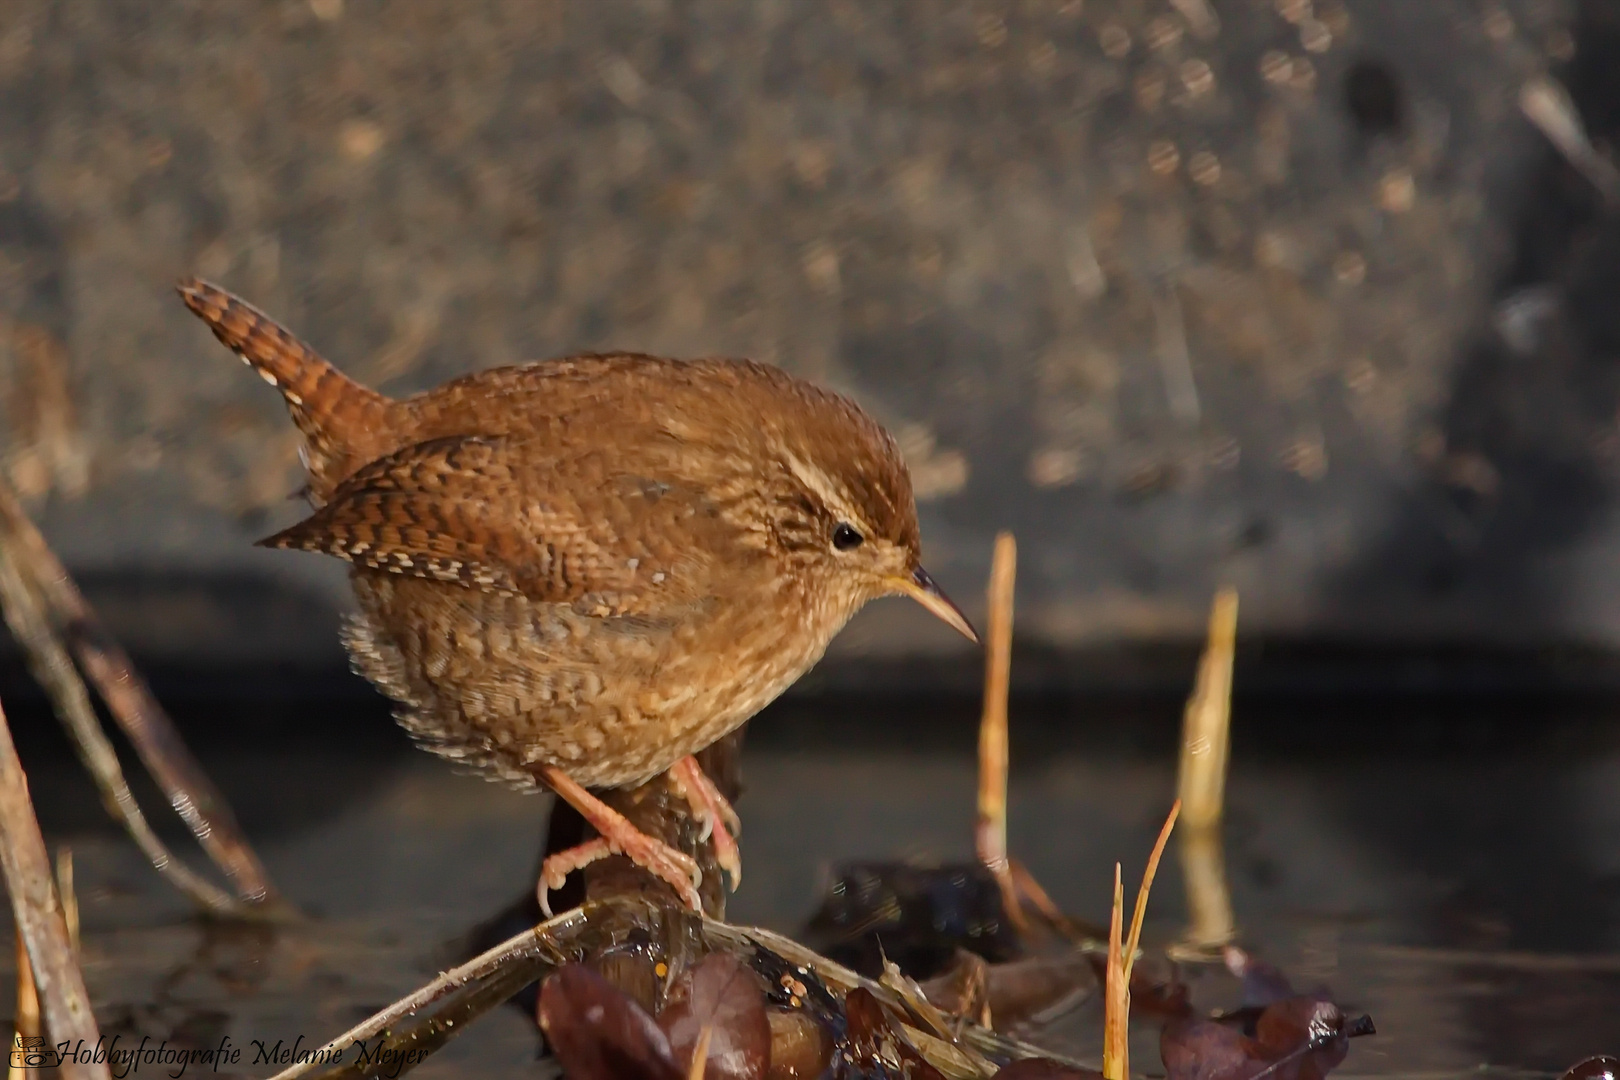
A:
[1451,868]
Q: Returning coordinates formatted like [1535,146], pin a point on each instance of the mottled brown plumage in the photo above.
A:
[598,564]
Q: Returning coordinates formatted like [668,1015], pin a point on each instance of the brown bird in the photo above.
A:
[580,572]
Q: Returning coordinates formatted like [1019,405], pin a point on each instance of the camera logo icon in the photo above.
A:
[33,1052]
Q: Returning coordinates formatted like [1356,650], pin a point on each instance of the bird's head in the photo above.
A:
[842,508]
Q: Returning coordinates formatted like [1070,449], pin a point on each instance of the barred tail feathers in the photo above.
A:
[332,410]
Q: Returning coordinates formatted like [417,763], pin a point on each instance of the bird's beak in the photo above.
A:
[921,588]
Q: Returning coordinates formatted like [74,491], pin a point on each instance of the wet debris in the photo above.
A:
[918,916]
[1277,1031]
[1602,1067]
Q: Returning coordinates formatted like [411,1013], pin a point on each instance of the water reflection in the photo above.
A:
[1460,891]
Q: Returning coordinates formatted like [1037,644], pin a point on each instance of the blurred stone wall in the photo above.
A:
[1274,292]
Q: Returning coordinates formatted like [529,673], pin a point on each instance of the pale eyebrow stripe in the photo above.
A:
[821,485]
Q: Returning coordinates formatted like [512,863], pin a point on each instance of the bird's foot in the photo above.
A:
[555,870]
[616,836]
[720,821]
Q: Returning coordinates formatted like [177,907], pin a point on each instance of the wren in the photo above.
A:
[578,573]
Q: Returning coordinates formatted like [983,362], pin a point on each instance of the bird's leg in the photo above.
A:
[616,836]
[720,821]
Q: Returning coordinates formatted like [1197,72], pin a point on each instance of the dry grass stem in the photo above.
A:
[1122,959]
[1116,995]
[916,1001]
[63,615]
[700,1054]
[63,1001]
[991,831]
[1134,943]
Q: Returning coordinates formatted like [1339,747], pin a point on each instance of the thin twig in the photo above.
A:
[54,670]
[133,708]
[991,832]
[27,869]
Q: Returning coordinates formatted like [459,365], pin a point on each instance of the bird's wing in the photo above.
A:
[499,513]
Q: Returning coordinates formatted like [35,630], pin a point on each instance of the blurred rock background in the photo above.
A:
[1283,293]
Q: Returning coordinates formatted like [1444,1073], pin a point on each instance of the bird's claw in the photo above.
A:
[679,870]
[719,819]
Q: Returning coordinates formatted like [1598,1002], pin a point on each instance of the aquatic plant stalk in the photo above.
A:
[63,1000]
[991,831]
[1205,753]
[67,616]
[1206,724]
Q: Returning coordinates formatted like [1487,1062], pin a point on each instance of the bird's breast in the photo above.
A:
[502,683]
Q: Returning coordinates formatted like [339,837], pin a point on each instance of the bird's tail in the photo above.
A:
[334,412]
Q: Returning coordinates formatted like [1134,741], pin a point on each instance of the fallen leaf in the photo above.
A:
[721,994]
[1296,1039]
[1207,1050]
[597,1032]
[1307,1029]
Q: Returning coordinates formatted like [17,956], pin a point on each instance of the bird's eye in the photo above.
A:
[845,537]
